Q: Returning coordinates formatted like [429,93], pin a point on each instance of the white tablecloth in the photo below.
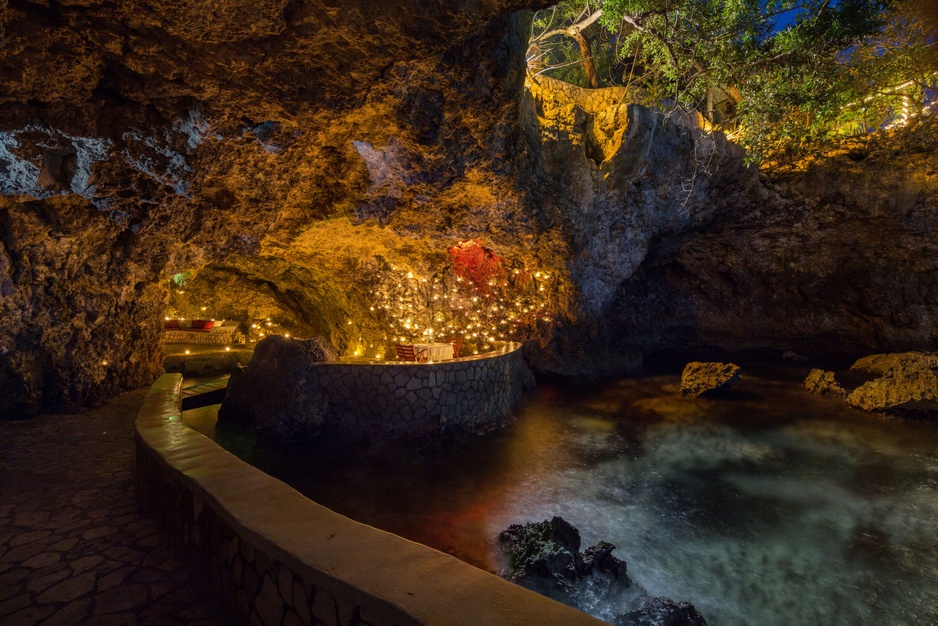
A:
[435,351]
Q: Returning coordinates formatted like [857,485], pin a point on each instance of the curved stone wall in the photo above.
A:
[277,558]
[388,400]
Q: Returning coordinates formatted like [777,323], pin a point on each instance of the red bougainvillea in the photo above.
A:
[481,267]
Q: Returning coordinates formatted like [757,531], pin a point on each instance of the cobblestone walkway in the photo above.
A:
[74,546]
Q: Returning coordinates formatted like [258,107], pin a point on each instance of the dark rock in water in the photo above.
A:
[823,383]
[910,385]
[662,612]
[793,356]
[278,393]
[700,378]
[545,557]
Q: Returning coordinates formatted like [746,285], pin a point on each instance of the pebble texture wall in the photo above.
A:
[415,401]
[279,559]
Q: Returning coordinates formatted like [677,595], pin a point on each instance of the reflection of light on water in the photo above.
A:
[780,509]
[765,526]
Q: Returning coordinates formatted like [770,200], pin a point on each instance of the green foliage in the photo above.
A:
[834,68]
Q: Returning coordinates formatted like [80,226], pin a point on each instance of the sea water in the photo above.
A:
[767,507]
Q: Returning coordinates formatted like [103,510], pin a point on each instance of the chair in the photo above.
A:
[457,345]
[407,352]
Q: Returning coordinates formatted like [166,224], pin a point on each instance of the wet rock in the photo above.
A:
[278,393]
[700,378]
[545,557]
[793,356]
[823,383]
[881,363]
[662,612]
[909,386]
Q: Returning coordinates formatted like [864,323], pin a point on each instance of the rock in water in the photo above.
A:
[700,378]
[880,363]
[278,393]
[823,383]
[662,612]
[908,386]
[545,557]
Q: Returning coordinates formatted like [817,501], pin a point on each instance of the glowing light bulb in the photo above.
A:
[187,352]
[227,348]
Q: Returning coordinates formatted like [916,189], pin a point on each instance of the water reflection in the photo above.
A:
[772,508]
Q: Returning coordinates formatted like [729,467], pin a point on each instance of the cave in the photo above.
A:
[448,258]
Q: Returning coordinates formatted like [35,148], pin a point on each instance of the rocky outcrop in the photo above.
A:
[662,612]
[278,394]
[837,261]
[708,378]
[545,557]
[910,385]
[823,383]
[879,364]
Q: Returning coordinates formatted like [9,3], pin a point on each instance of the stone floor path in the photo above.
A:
[74,546]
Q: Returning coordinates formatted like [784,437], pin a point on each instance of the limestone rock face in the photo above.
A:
[909,386]
[142,139]
[840,260]
[700,378]
[823,383]
[288,156]
[278,393]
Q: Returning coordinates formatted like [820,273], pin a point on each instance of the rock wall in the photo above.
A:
[835,262]
[291,160]
[142,139]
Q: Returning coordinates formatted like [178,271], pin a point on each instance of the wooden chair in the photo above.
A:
[407,352]
[457,345]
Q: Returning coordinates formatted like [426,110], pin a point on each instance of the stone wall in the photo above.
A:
[220,335]
[275,557]
[393,401]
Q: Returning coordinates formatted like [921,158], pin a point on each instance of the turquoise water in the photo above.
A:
[771,507]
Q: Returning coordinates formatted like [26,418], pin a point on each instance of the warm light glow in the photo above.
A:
[187,352]
[227,348]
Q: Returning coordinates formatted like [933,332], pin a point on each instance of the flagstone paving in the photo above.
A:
[74,545]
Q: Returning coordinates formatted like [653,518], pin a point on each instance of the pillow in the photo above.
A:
[197,325]
[171,324]
[185,324]
[207,324]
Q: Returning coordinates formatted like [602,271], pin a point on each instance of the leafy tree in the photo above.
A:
[790,72]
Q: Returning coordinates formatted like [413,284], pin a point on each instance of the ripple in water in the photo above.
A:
[774,508]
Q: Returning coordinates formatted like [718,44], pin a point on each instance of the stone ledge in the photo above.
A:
[277,557]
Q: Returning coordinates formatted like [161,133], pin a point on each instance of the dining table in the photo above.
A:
[434,351]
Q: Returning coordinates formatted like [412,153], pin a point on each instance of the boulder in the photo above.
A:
[908,386]
[662,612]
[823,383]
[879,364]
[545,557]
[700,378]
[278,393]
